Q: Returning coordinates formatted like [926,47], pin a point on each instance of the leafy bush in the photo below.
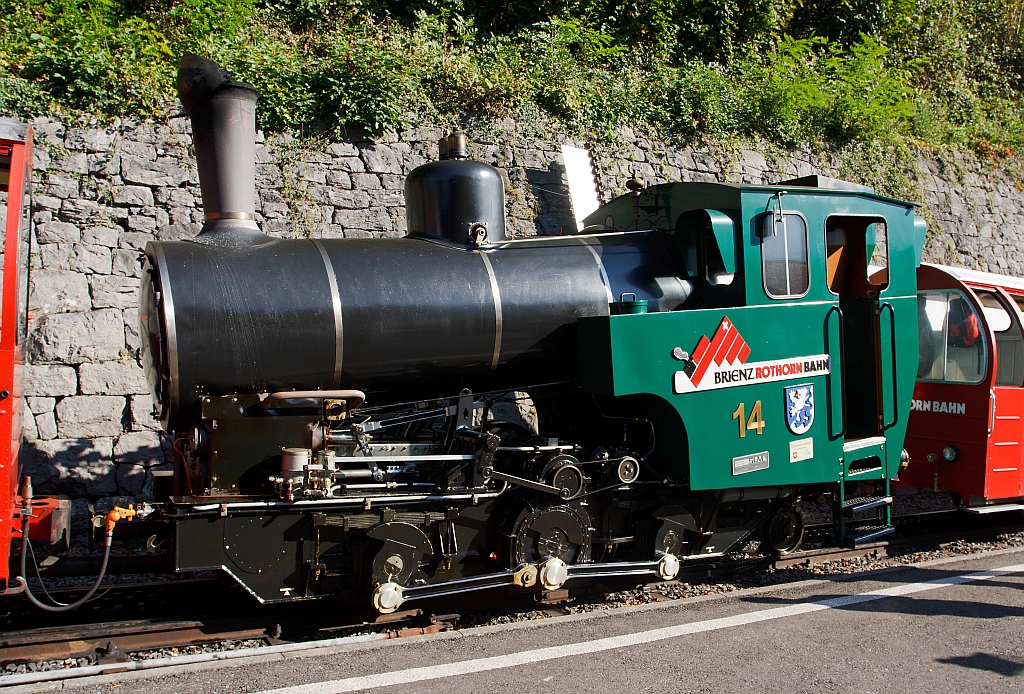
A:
[946,72]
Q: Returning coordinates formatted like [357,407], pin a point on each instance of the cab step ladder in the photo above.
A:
[867,529]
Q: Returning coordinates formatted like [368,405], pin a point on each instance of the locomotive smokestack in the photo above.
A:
[223,113]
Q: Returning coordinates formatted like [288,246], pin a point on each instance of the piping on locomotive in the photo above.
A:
[699,357]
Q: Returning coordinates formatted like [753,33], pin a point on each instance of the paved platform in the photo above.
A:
[950,626]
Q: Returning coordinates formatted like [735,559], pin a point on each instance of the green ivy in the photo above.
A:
[941,72]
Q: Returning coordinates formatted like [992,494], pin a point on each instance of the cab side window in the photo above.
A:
[784,261]
[951,342]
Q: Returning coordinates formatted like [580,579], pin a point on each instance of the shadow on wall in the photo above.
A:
[93,468]
[553,202]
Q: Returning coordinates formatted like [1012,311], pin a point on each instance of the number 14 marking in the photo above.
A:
[755,423]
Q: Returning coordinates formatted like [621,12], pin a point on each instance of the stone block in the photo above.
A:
[90,140]
[369,219]
[276,210]
[88,212]
[41,159]
[134,240]
[73,163]
[386,198]
[46,426]
[112,378]
[176,232]
[342,149]
[47,381]
[339,179]
[29,431]
[132,339]
[91,259]
[380,158]
[135,196]
[365,181]
[40,404]
[329,231]
[312,173]
[126,263]
[57,291]
[103,164]
[101,236]
[358,234]
[48,202]
[61,186]
[174,197]
[114,291]
[138,222]
[183,215]
[135,148]
[142,413]
[78,467]
[393,182]
[349,164]
[89,416]
[348,199]
[162,172]
[74,338]
[50,132]
[58,232]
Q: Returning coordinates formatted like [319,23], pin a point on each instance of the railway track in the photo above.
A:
[110,645]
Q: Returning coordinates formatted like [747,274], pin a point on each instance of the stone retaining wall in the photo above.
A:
[101,194]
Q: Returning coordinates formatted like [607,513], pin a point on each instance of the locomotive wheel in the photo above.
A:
[783,532]
[559,532]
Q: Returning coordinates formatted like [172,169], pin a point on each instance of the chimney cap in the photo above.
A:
[199,78]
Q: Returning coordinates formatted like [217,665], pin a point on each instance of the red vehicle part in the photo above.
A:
[51,517]
[15,180]
[966,428]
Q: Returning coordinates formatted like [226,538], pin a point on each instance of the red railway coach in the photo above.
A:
[966,428]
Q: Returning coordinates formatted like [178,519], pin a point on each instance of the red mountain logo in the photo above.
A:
[726,345]
[721,362]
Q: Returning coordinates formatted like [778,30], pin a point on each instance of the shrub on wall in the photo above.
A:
[792,71]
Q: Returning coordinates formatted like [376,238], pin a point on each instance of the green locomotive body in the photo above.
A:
[845,329]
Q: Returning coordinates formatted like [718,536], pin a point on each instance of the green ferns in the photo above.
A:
[939,72]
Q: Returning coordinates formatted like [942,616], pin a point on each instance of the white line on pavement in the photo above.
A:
[466,667]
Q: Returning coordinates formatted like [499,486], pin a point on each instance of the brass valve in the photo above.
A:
[115,514]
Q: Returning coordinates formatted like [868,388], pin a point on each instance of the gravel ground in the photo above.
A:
[637,596]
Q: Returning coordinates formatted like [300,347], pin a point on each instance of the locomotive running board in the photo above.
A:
[984,510]
[507,578]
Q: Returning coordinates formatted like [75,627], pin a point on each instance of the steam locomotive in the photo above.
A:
[699,357]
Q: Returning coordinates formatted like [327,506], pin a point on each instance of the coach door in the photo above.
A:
[1006,428]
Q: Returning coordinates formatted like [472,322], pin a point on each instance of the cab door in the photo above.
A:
[1006,426]
[857,274]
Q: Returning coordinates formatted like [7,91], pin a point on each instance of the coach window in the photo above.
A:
[1009,343]
[950,340]
[784,256]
